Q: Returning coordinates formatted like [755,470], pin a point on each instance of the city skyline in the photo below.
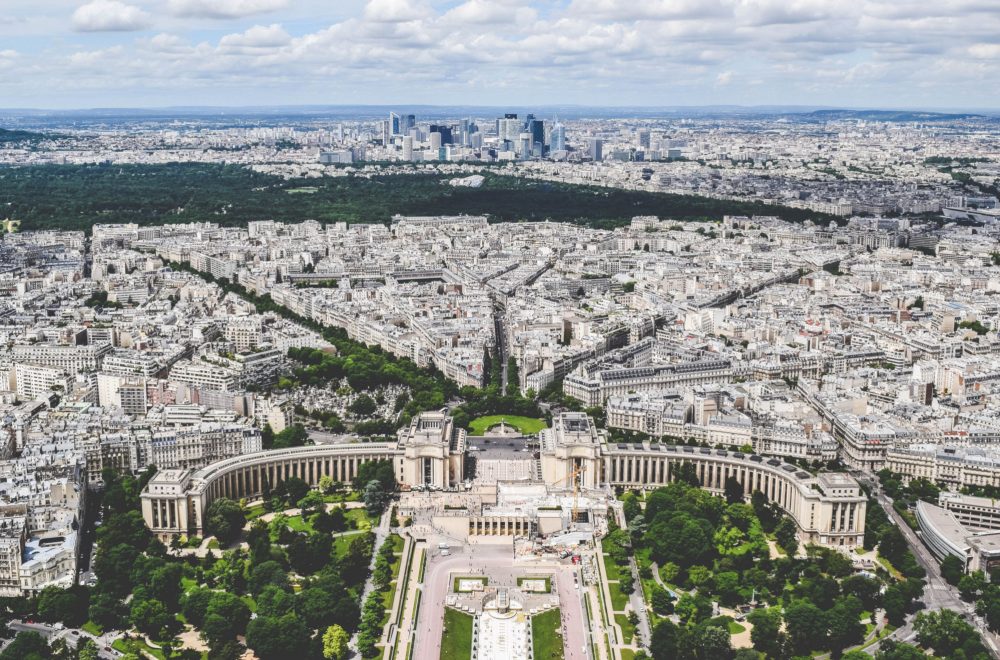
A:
[140,53]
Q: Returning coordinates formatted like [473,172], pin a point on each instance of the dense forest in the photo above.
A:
[77,196]
[8,136]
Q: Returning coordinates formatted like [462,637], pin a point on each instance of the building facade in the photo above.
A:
[574,455]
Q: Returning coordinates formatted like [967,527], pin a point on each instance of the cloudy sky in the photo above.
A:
[143,53]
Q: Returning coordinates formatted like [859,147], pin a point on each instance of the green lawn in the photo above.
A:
[92,628]
[618,599]
[547,579]
[298,524]
[735,628]
[547,641]
[342,543]
[526,425]
[456,642]
[610,567]
[137,644]
[360,518]
[628,630]
[455,582]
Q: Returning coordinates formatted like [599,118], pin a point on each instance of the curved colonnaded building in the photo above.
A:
[829,508]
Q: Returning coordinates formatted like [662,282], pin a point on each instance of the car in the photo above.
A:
[75,632]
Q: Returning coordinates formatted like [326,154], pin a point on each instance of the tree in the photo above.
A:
[971,585]
[313,502]
[292,490]
[866,589]
[989,607]
[727,586]
[113,566]
[712,642]
[733,490]
[786,535]
[316,606]
[766,632]
[630,506]
[268,573]
[664,642]
[692,608]
[382,471]
[224,519]
[274,601]
[326,485]
[26,646]
[947,633]
[293,436]
[661,601]
[626,583]
[363,406]
[952,569]
[892,545]
[807,627]
[335,641]
[106,609]
[374,498]
[68,606]
[194,605]
[278,638]
[226,617]
[150,617]
[844,624]
[890,649]
[687,473]
[680,539]
[87,649]
[896,602]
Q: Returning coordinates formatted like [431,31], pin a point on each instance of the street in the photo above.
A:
[71,635]
[938,594]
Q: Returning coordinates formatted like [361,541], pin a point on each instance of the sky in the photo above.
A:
[155,53]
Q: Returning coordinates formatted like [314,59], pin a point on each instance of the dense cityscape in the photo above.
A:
[499,330]
[295,429]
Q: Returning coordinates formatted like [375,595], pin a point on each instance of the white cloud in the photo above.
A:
[488,12]
[110,16]
[259,36]
[985,51]
[394,11]
[223,8]
[621,51]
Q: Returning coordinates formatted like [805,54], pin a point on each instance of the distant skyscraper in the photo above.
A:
[524,145]
[407,148]
[508,128]
[445,131]
[394,124]
[537,129]
[463,128]
[408,122]
[557,141]
[643,137]
[596,149]
[435,139]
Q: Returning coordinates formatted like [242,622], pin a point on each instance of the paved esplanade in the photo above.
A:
[484,559]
